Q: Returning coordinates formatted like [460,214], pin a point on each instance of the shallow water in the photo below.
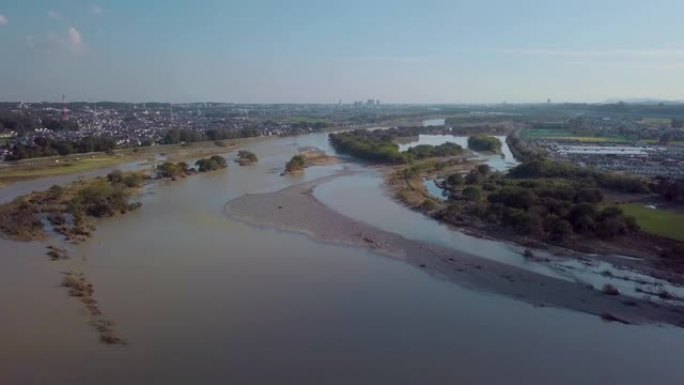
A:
[500,162]
[435,190]
[205,299]
[433,122]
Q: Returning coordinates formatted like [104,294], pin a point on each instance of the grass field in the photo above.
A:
[26,171]
[538,133]
[33,168]
[659,222]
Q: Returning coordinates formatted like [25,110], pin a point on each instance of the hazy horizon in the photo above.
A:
[400,52]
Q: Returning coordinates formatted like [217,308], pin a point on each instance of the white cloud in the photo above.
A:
[71,41]
[3,20]
[96,9]
[74,39]
[54,15]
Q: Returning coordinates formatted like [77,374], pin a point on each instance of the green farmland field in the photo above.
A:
[659,222]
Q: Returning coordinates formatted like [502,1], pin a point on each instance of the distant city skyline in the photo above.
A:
[403,51]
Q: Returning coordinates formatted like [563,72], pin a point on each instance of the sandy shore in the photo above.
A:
[295,209]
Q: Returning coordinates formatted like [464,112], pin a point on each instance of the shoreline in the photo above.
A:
[295,209]
[27,170]
[636,251]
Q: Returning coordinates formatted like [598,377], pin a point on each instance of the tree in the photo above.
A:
[472,193]
[484,143]
[590,195]
[474,177]
[215,162]
[455,180]
[133,179]
[246,157]
[168,170]
[559,229]
[483,169]
[172,136]
[297,163]
[115,177]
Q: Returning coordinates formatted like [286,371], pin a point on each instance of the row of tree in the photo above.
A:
[42,146]
[375,146]
[672,190]
[549,210]
[172,170]
[552,169]
[379,146]
[484,143]
[428,151]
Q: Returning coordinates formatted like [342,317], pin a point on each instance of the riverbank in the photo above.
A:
[649,254]
[295,209]
[35,168]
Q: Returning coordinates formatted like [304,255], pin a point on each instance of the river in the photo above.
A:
[204,299]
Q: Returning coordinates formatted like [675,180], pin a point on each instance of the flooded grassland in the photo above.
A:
[204,297]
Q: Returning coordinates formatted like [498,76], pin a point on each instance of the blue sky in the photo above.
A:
[425,51]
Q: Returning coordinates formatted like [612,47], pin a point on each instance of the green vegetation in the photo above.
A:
[246,157]
[130,179]
[100,199]
[68,209]
[181,169]
[379,146]
[172,170]
[455,180]
[566,135]
[304,123]
[41,147]
[24,172]
[588,177]
[671,190]
[376,146]
[297,163]
[471,193]
[427,151]
[523,151]
[659,222]
[484,143]
[539,133]
[215,162]
[552,210]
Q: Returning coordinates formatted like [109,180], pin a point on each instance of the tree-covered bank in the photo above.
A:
[484,143]
[378,145]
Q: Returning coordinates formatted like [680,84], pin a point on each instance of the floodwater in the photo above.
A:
[433,122]
[203,299]
[501,162]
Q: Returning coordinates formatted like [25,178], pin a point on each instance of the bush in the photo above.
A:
[484,143]
[455,180]
[472,193]
[245,156]
[297,163]
[215,162]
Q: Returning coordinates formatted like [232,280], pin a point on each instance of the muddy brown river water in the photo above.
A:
[204,299]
